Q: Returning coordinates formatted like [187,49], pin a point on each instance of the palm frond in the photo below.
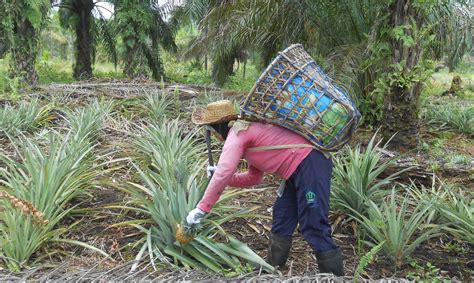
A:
[67,14]
[161,32]
[107,36]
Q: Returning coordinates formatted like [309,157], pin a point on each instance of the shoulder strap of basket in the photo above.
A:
[280,146]
[285,146]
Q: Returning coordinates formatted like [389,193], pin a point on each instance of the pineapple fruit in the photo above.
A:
[185,233]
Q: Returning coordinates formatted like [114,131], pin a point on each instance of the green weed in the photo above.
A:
[435,167]
[9,87]
[435,146]
[455,247]
[429,272]
[239,83]
[459,159]
[367,259]
[192,73]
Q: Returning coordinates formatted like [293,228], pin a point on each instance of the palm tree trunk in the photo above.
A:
[402,101]
[223,67]
[3,48]
[206,30]
[83,65]
[152,54]
[24,52]
[135,61]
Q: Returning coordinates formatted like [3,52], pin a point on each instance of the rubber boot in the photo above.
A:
[278,250]
[331,262]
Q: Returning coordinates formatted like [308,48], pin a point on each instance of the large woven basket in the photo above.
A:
[293,92]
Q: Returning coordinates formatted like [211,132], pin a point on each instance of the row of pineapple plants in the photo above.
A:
[55,166]
[41,177]
[50,168]
[393,217]
[449,116]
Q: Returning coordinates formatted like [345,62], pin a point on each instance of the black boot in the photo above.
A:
[278,250]
[331,262]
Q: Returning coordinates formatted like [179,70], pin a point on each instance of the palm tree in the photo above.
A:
[3,43]
[455,34]
[266,27]
[410,30]
[207,15]
[21,24]
[377,49]
[401,101]
[143,31]
[190,15]
[78,15]
[57,41]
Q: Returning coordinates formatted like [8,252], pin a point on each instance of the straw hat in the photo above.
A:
[215,112]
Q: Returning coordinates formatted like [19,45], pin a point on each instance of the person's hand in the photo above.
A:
[195,216]
[210,170]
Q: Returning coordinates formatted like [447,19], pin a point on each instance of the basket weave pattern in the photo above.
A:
[293,92]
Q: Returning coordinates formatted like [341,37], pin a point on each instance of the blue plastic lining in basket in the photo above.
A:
[321,100]
[293,92]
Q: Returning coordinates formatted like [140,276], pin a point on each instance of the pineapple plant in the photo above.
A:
[36,190]
[170,164]
[22,118]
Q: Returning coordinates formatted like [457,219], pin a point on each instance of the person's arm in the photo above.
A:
[228,162]
[247,179]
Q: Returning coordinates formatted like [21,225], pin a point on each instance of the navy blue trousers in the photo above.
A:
[305,200]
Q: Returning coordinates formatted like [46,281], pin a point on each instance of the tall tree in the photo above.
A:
[208,16]
[410,32]
[404,82]
[454,35]
[377,49]
[3,40]
[21,22]
[77,15]
[143,32]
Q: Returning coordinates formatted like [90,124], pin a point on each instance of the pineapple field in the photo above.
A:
[96,179]
[107,159]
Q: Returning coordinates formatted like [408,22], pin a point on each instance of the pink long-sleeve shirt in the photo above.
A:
[282,162]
